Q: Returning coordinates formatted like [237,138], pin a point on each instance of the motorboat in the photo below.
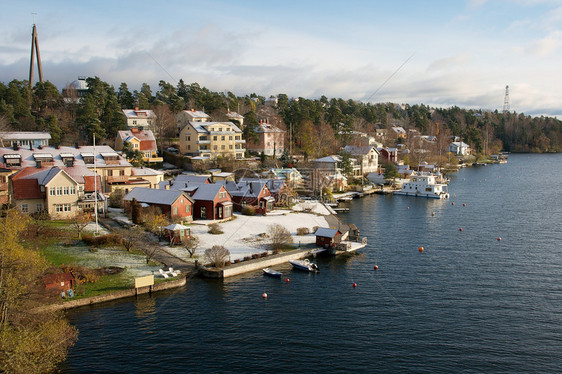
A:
[304,265]
[272,273]
[424,184]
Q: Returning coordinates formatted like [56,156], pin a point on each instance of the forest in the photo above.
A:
[315,127]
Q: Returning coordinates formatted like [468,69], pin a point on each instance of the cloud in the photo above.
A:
[448,63]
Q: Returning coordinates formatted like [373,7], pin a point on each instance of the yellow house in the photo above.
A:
[140,140]
[211,140]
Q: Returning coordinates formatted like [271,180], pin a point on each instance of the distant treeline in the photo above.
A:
[315,126]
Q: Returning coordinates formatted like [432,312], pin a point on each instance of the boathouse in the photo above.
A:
[327,237]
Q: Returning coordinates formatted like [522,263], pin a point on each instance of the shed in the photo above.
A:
[59,282]
[327,237]
[176,233]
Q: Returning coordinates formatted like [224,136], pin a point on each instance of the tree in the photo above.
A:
[125,97]
[165,125]
[134,156]
[80,221]
[390,171]
[136,212]
[217,256]
[154,220]
[129,237]
[116,198]
[280,237]
[191,244]
[29,342]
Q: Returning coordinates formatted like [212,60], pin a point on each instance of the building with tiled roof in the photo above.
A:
[139,118]
[250,193]
[271,140]
[140,140]
[114,170]
[60,191]
[211,140]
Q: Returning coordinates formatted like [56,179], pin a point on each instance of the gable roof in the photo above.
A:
[202,127]
[207,192]
[326,232]
[329,159]
[138,113]
[183,180]
[359,150]
[153,196]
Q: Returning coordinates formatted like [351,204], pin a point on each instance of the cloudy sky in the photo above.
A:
[439,53]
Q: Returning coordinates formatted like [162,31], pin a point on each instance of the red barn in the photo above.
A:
[326,237]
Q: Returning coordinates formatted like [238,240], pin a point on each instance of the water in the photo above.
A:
[468,303]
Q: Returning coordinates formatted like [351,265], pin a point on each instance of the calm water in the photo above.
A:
[468,303]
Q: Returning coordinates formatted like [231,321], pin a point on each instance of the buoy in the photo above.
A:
[408,207]
[453,203]
[376,267]
[499,238]
[354,284]
[463,204]
[264,295]
[460,228]
[432,213]
[420,249]
[287,280]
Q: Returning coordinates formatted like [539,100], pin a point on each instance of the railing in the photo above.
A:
[240,141]
[203,142]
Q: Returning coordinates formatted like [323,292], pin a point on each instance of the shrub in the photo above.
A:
[215,229]
[116,198]
[109,239]
[247,258]
[249,210]
[280,237]
[217,255]
[255,255]
[303,231]
[314,229]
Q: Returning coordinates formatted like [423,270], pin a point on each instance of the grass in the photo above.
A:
[104,285]
[54,255]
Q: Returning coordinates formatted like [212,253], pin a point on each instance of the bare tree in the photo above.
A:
[80,221]
[148,245]
[280,237]
[130,237]
[165,125]
[191,244]
[217,255]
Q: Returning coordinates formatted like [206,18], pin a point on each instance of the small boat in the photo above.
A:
[271,273]
[304,265]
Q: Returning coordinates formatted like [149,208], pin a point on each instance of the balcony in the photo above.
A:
[240,141]
[203,142]
[117,179]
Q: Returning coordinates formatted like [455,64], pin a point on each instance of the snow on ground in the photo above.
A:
[91,228]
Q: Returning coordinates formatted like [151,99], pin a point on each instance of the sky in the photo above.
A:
[440,53]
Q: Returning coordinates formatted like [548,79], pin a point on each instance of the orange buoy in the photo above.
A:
[376,267]
[460,228]
[287,280]
[420,249]
[264,295]
[354,284]
[499,238]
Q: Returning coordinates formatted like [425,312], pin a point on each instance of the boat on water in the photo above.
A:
[272,273]
[424,184]
[304,265]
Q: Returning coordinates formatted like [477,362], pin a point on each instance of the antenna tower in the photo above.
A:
[506,100]
[35,48]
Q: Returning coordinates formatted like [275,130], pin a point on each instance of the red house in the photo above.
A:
[59,282]
[327,237]
[254,193]
[211,201]
[175,204]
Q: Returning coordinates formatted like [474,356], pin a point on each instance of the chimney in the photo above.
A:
[76,145]
[136,109]
[167,187]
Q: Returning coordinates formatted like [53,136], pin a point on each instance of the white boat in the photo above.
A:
[423,184]
[304,265]
[272,273]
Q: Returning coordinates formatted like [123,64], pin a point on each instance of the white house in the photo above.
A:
[459,148]
[366,156]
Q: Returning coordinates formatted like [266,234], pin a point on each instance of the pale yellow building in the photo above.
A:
[211,140]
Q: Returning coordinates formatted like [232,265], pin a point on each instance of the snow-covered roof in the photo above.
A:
[206,192]
[153,196]
[329,159]
[145,171]
[326,232]
[24,135]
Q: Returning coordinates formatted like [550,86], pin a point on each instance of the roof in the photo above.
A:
[399,130]
[246,188]
[153,196]
[138,113]
[326,232]
[28,181]
[176,226]
[196,113]
[267,128]
[329,159]
[27,155]
[234,115]
[24,135]
[359,150]
[206,192]
[57,278]
[183,180]
[145,171]
[202,127]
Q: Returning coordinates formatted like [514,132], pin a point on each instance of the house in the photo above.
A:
[183,180]
[388,154]
[251,193]
[399,132]
[174,204]
[211,140]
[113,169]
[211,201]
[381,133]
[271,140]
[218,175]
[76,90]
[327,237]
[34,139]
[176,233]
[459,148]
[186,116]
[277,187]
[291,176]
[328,163]
[233,116]
[61,192]
[366,156]
[140,140]
[140,118]
[59,283]
[149,176]
[4,195]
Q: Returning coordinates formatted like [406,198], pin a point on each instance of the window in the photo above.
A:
[222,195]
[58,208]
[110,173]
[59,191]
[66,190]
[188,147]
[175,211]
[188,208]
[215,137]
[223,147]
[228,211]
[220,129]
[24,208]
[135,145]
[215,147]
[134,122]
[67,207]
[52,191]
[230,146]
[73,190]
[230,137]
[121,172]
[203,212]
[188,138]
[222,137]
[38,207]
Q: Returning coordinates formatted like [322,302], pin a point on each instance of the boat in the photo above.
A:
[424,184]
[272,273]
[304,265]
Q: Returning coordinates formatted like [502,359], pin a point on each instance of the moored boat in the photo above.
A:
[272,273]
[423,184]
[304,265]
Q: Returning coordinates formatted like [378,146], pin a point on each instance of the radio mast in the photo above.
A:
[506,100]
[35,48]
